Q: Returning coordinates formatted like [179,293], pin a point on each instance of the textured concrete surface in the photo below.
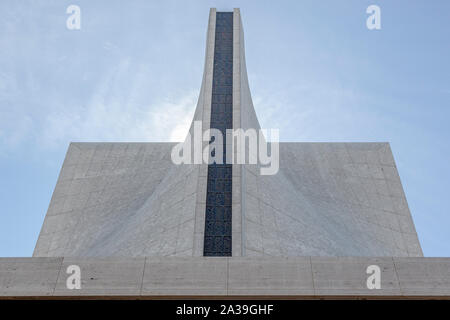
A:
[423,276]
[236,205]
[111,276]
[185,276]
[319,277]
[121,199]
[347,276]
[28,276]
[328,199]
[260,276]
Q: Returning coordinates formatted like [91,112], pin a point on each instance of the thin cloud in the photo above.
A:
[101,121]
[118,109]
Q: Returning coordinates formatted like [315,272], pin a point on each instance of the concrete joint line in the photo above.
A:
[143,276]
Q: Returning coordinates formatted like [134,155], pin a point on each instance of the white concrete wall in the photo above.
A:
[121,199]
[329,199]
[319,277]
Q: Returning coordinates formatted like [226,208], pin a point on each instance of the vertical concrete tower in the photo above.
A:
[218,213]
[130,199]
[225,103]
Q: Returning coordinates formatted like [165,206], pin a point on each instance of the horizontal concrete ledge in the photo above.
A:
[225,278]
[224,298]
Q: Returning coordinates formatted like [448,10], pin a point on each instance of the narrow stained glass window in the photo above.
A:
[217,240]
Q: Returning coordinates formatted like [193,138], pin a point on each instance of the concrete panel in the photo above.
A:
[103,276]
[330,199]
[185,276]
[423,277]
[28,276]
[319,277]
[347,276]
[319,204]
[128,208]
[270,276]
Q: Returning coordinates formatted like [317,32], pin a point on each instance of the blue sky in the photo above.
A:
[133,73]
